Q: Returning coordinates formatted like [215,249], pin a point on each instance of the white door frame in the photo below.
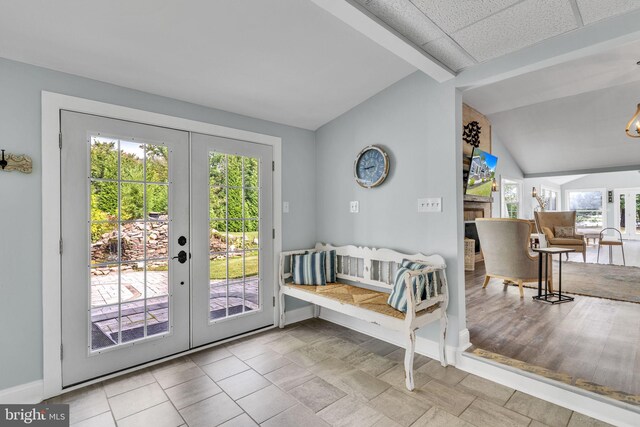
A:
[52,103]
[629,233]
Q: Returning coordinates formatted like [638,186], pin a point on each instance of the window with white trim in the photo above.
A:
[511,198]
[589,206]
[552,198]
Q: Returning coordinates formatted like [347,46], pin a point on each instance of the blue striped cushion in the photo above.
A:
[331,259]
[398,297]
[309,269]
[432,277]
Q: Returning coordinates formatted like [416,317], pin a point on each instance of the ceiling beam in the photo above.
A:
[368,24]
[584,171]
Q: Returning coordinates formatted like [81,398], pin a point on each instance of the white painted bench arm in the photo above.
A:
[412,321]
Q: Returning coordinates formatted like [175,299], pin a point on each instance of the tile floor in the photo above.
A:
[312,373]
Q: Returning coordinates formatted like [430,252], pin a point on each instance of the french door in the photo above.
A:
[232,274]
[627,212]
[130,246]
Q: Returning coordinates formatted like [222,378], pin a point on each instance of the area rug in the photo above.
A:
[615,282]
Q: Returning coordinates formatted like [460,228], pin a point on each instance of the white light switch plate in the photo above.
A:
[433,204]
[354,206]
[285,207]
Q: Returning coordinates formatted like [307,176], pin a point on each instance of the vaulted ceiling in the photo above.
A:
[461,33]
[569,117]
[287,61]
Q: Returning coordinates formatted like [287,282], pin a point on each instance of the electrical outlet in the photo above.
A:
[430,204]
[285,207]
[354,206]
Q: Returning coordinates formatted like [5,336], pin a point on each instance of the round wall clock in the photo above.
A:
[371,166]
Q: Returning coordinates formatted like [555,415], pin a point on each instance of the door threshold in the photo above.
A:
[160,361]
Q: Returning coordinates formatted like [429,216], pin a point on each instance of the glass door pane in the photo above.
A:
[234,213]
[622,214]
[636,215]
[129,248]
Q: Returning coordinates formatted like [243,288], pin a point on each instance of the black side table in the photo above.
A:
[551,297]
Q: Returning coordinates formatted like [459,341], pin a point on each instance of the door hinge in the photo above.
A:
[273,166]
[274,233]
[61,351]
[60,140]
[60,246]
[274,301]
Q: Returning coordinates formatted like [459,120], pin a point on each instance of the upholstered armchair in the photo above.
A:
[552,223]
[505,246]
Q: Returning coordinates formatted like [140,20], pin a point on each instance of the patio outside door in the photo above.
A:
[627,212]
[232,238]
[125,244]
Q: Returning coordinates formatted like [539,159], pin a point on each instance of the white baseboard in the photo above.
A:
[24,393]
[567,396]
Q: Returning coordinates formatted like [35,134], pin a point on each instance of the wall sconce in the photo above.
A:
[494,186]
[636,125]
[15,162]
[534,192]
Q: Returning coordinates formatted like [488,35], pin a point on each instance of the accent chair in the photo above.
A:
[551,223]
[507,256]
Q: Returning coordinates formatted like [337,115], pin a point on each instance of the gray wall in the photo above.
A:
[507,167]
[529,203]
[416,120]
[20,196]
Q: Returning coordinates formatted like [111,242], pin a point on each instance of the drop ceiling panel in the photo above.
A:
[404,17]
[453,15]
[517,27]
[449,53]
[595,10]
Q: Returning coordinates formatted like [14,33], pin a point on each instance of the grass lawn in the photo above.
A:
[481,190]
[218,268]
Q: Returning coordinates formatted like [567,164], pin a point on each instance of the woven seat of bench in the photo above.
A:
[360,297]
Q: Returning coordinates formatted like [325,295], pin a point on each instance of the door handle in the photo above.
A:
[182,257]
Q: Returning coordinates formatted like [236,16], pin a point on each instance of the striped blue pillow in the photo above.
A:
[331,263]
[309,269]
[412,265]
[398,297]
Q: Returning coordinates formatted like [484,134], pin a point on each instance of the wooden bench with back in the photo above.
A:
[365,278]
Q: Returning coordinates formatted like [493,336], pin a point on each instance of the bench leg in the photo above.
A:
[282,319]
[443,334]
[316,311]
[408,360]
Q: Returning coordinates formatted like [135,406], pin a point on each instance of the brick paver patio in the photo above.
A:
[104,302]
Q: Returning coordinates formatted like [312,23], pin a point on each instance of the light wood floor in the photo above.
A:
[593,339]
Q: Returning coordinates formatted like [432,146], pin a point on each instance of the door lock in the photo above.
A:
[182,240]
[182,257]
